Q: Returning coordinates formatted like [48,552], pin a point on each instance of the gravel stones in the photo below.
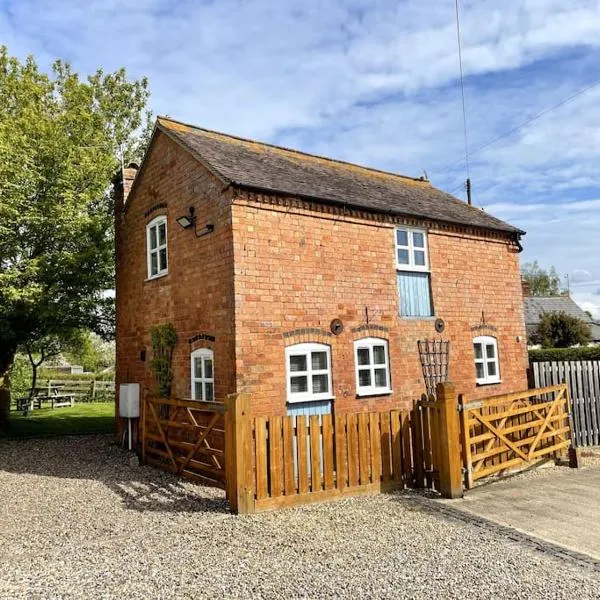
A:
[76,521]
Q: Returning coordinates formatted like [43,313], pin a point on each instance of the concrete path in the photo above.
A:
[557,504]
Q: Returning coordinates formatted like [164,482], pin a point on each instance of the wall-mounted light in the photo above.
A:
[186,221]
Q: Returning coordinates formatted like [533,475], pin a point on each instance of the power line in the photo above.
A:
[521,125]
[462,88]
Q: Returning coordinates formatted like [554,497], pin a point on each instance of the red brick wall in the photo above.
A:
[197,293]
[300,269]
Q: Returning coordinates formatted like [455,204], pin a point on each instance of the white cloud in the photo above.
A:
[373,82]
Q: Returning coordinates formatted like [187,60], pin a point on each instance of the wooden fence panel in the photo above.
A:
[583,380]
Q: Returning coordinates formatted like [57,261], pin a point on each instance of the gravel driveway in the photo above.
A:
[78,522]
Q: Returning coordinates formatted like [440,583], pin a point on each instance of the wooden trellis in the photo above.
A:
[435,356]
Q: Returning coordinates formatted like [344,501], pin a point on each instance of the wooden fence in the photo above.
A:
[84,389]
[514,431]
[583,379]
[270,462]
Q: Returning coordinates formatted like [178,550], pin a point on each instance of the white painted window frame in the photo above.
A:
[411,266]
[486,340]
[372,390]
[149,251]
[306,349]
[204,354]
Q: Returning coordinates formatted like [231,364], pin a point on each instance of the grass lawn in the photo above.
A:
[87,417]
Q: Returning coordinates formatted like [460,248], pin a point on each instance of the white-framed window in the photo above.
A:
[203,379]
[156,243]
[412,265]
[308,368]
[487,365]
[372,362]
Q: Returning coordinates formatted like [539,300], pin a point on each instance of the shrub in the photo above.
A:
[560,354]
[560,330]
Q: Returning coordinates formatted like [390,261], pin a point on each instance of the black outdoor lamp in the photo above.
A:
[186,221]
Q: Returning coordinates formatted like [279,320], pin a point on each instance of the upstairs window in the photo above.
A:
[412,265]
[203,381]
[156,240]
[308,372]
[487,366]
[372,367]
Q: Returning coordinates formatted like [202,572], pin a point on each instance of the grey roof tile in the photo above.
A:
[263,167]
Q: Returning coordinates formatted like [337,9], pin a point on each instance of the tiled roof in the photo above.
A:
[535,306]
[266,168]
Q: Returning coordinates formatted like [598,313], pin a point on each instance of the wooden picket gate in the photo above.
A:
[185,437]
[514,431]
[299,459]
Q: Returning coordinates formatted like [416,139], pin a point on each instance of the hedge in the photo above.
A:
[52,374]
[560,354]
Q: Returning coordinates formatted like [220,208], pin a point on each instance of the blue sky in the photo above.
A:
[374,82]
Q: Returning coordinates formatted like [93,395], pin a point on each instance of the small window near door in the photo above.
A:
[203,382]
[487,365]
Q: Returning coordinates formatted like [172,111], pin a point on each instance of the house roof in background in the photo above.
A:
[535,306]
[266,168]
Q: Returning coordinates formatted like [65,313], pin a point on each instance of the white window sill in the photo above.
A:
[311,399]
[495,382]
[379,392]
[430,318]
[157,276]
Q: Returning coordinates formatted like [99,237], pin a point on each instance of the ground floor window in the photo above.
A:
[203,383]
[372,366]
[308,372]
[487,367]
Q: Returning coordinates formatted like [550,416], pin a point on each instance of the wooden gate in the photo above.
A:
[514,431]
[185,437]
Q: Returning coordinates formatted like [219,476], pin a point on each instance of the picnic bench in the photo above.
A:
[40,396]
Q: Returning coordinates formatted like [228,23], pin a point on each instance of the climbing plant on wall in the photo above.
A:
[164,340]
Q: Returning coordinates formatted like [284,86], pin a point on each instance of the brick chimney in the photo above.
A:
[525,287]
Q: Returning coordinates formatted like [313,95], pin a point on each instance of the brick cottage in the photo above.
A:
[307,281]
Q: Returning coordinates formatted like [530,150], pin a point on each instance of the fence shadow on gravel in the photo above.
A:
[98,459]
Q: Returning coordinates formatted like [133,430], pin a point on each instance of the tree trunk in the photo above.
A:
[7,357]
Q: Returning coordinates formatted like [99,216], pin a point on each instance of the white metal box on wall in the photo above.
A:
[129,400]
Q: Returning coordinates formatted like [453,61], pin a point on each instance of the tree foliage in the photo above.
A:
[560,330]
[164,340]
[60,142]
[542,282]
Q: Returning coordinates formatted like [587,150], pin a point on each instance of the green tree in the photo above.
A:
[93,354]
[541,282]
[560,330]
[61,141]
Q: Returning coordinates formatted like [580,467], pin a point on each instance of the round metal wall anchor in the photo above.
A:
[336,326]
[440,325]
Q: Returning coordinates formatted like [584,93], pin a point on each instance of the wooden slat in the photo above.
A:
[288,455]
[315,453]
[375,443]
[328,481]
[210,407]
[353,461]
[417,446]
[275,457]
[260,440]
[341,452]
[386,448]
[302,441]
[407,465]
[363,447]
[396,445]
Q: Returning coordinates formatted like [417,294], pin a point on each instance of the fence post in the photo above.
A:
[238,454]
[450,467]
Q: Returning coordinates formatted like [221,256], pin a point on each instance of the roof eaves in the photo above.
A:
[333,202]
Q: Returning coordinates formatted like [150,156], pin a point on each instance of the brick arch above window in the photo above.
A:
[201,340]
[306,335]
[370,330]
